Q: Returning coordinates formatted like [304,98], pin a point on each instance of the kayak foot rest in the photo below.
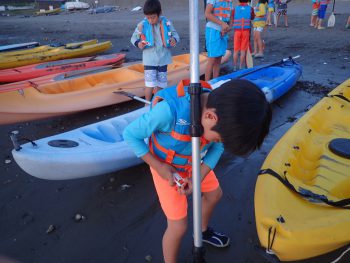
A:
[63,143]
[340,147]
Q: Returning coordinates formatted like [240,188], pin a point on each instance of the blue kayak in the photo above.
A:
[274,81]
[99,148]
[18,46]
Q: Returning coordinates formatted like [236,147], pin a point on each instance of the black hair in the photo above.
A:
[152,7]
[243,1]
[244,115]
[263,1]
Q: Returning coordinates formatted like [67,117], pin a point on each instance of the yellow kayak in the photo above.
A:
[54,54]
[44,48]
[302,195]
[48,12]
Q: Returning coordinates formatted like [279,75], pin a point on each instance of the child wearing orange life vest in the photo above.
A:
[155,35]
[314,14]
[224,116]
[259,24]
[218,15]
[242,15]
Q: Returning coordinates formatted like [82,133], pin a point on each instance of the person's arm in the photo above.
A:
[211,158]
[158,119]
[252,14]
[209,14]
[232,18]
[135,38]
[175,38]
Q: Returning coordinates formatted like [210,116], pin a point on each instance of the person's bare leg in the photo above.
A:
[260,44]
[278,19]
[216,67]
[209,69]
[172,237]
[255,43]
[235,59]
[242,59]
[148,93]
[209,201]
[285,20]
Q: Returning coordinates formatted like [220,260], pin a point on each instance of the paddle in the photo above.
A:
[248,55]
[249,58]
[268,65]
[132,96]
[331,19]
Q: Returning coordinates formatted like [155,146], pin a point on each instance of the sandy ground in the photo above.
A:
[126,224]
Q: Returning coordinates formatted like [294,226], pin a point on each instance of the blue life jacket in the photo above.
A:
[242,17]
[173,147]
[271,3]
[222,10]
[147,32]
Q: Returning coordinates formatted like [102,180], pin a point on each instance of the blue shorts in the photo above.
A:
[322,11]
[216,44]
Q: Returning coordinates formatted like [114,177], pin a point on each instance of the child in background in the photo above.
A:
[321,14]
[236,116]
[218,14]
[271,10]
[314,14]
[282,6]
[242,15]
[259,23]
[155,35]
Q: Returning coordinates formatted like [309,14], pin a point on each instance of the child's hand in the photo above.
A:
[224,29]
[172,42]
[186,188]
[166,172]
[142,44]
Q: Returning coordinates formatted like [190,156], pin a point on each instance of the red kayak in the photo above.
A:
[38,82]
[59,66]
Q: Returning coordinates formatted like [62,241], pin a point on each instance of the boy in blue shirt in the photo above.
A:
[155,35]
[236,116]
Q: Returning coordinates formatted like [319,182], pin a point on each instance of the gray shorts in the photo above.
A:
[156,76]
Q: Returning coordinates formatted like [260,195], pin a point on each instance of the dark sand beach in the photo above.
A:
[123,221]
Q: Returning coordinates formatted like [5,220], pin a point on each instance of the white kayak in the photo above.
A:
[91,150]
[99,148]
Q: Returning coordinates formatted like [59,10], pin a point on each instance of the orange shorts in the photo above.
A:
[173,204]
[241,40]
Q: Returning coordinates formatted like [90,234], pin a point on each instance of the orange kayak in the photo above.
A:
[59,66]
[83,93]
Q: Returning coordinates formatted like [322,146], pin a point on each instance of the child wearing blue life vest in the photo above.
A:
[218,14]
[235,117]
[242,15]
[155,35]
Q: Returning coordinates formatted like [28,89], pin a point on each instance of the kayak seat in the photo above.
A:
[104,132]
